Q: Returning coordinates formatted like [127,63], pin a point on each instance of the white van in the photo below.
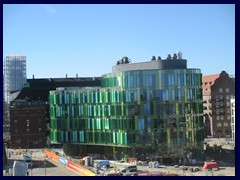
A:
[132,168]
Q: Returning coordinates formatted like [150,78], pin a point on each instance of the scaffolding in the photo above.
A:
[14,74]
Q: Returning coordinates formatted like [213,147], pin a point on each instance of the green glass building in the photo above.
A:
[148,109]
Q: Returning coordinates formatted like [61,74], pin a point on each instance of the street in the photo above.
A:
[55,169]
[52,168]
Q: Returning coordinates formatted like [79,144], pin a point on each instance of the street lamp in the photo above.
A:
[28,137]
[45,164]
[28,132]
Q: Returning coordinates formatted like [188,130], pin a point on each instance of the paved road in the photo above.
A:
[55,169]
[52,168]
[224,171]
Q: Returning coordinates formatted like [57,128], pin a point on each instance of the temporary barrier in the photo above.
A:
[52,155]
[82,171]
[79,169]
[210,165]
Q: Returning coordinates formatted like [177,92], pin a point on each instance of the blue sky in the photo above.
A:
[90,39]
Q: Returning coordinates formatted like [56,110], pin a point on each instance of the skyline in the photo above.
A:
[89,39]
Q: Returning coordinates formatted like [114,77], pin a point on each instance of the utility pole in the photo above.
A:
[28,132]
[45,163]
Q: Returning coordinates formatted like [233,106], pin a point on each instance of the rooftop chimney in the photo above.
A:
[153,58]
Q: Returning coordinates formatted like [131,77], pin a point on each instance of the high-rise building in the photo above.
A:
[14,72]
[142,110]
[217,91]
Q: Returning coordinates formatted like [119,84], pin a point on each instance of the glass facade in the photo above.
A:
[134,113]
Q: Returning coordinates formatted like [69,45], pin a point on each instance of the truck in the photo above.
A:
[102,163]
[20,168]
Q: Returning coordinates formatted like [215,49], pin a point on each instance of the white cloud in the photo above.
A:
[50,9]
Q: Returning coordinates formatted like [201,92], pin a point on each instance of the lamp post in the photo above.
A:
[45,164]
[28,132]
[28,137]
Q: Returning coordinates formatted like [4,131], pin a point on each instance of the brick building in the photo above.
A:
[217,91]
[28,124]
[29,109]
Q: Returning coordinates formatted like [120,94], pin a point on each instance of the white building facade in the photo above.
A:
[232,100]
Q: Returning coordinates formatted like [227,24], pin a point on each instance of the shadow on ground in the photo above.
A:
[36,164]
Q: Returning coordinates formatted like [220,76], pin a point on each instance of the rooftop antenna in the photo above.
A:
[179,55]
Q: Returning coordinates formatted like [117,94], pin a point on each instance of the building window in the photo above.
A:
[221,117]
[217,117]
[18,141]
[232,119]
[225,124]
[227,97]
[15,121]
[16,131]
[219,124]
[220,90]
[228,117]
[15,112]
[39,129]
[221,97]
[217,111]
[28,122]
[228,104]
[228,111]
[227,90]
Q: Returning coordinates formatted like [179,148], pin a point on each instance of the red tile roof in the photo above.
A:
[210,78]
[208,81]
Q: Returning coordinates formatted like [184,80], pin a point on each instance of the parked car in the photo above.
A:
[155,164]
[132,168]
